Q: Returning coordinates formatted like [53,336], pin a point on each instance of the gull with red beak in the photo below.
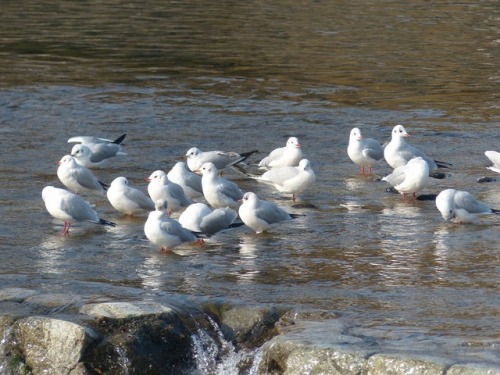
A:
[398,152]
[218,191]
[365,152]
[70,208]
[77,178]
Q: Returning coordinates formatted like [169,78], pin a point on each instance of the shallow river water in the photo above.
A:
[239,76]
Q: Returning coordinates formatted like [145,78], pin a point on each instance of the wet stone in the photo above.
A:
[121,310]
[387,364]
[473,369]
[51,345]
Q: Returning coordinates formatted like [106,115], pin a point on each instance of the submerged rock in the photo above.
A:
[246,326]
[313,348]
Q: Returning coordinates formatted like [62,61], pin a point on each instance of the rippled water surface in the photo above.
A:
[243,75]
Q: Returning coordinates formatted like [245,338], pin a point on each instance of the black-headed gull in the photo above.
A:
[291,180]
[70,208]
[196,158]
[198,217]
[92,152]
[398,152]
[127,199]
[288,156]
[218,191]
[494,157]
[189,181]
[410,178]
[461,207]
[261,215]
[77,178]
[163,231]
[365,152]
[160,187]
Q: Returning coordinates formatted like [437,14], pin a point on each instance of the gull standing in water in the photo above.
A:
[93,152]
[461,207]
[291,180]
[365,152]
[127,199]
[70,208]
[77,178]
[189,181]
[410,178]
[398,152]
[288,156]
[261,215]
[200,218]
[218,191]
[160,187]
[163,231]
[221,159]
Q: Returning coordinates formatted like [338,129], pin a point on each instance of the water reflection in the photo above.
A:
[152,273]
[250,246]
[233,75]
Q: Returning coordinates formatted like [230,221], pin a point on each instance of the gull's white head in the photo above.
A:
[355,135]
[305,164]
[445,204]
[193,152]
[67,160]
[80,151]
[120,181]
[399,131]
[249,198]
[293,142]
[158,175]
[208,168]
[180,166]
[46,191]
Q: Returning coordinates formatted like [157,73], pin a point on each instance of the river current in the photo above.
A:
[239,76]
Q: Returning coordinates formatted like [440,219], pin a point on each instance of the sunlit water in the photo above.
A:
[239,76]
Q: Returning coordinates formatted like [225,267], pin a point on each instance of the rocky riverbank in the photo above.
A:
[60,334]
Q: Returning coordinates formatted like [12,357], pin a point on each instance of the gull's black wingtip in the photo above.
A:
[120,139]
[106,222]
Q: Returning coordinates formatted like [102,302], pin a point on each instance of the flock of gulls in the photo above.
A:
[199,177]
[225,205]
